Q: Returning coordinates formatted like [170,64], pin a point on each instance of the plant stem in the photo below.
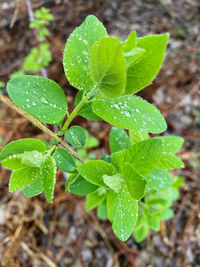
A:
[77,108]
[41,126]
[31,19]
[50,150]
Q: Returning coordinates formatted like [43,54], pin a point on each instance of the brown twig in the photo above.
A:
[40,255]
[41,126]
[15,244]
[16,12]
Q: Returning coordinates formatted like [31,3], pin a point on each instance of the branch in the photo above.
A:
[77,108]
[41,126]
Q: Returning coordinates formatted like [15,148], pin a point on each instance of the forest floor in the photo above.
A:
[34,233]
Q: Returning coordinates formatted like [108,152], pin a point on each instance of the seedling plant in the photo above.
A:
[40,55]
[132,186]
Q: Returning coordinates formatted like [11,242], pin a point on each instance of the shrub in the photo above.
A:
[132,186]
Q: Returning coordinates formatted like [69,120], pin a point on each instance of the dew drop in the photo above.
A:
[43,100]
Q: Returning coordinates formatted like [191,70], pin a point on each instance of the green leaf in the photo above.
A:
[70,180]
[143,156]
[86,110]
[158,180]
[40,97]
[173,194]
[132,53]
[37,170]
[37,59]
[155,209]
[106,158]
[34,188]
[134,56]
[92,155]
[115,182]
[122,212]
[2,84]
[23,177]
[172,144]
[77,52]
[141,229]
[118,140]
[82,152]
[92,142]
[177,182]
[108,66]
[64,160]
[95,198]
[76,136]
[33,158]
[94,170]
[79,186]
[13,162]
[130,112]
[53,142]
[134,181]
[167,214]
[19,161]
[142,73]
[141,232]
[137,136]
[130,43]
[49,177]
[102,210]
[45,143]
[154,223]
[170,161]
[21,146]
[160,198]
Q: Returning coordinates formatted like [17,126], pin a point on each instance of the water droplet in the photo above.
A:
[127,113]
[85,42]
[43,100]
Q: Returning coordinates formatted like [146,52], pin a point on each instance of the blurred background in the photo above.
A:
[35,233]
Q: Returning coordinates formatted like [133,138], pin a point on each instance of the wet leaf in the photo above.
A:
[77,52]
[130,112]
[40,97]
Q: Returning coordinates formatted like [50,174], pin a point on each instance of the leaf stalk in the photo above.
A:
[77,108]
